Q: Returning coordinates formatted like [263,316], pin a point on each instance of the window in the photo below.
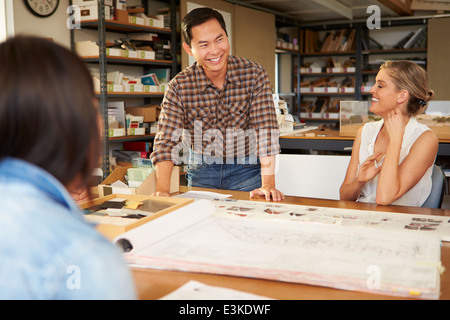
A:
[6,19]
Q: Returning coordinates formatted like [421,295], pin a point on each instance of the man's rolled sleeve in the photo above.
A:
[264,118]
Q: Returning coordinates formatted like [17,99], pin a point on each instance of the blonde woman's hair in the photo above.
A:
[409,76]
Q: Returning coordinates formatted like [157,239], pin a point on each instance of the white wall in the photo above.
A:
[53,27]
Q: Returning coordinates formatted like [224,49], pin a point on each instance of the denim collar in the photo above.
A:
[12,169]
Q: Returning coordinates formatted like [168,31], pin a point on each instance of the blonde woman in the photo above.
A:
[392,159]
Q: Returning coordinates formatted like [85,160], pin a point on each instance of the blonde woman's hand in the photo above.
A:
[395,125]
[369,168]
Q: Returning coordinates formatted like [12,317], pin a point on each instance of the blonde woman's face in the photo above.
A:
[385,95]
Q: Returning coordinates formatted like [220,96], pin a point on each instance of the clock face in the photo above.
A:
[42,8]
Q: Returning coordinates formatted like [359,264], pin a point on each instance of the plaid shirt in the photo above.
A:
[211,119]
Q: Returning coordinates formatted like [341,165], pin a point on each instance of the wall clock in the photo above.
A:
[42,8]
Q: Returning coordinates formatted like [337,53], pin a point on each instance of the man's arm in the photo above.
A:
[268,189]
[163,170]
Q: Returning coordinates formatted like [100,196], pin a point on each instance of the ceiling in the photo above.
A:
[315,11]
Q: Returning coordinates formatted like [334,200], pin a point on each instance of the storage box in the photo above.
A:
[136,20]
[111,227]
[147,55]
[121,5]
[115,88]
[130,54]
[331,89]
[136,131]
[121,15]
[114,52]
[347,90]
[331,115]
[148,112]
[148,187]
[151,89]
[155,21]
[119,132]
[134,88]
[91,13]
[91,49]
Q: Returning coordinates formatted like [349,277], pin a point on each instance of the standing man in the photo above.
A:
[218,115]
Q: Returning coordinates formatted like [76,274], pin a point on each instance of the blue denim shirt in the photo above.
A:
[47,249]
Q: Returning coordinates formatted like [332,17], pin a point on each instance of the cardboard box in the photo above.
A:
[136,20]
[155,21]
[148,112]
[87,49]
[91,13]
[120,132]
[151,89]
[121,5]
[115,88]
[130,54]
[134,88]
[111,227]
[121,15]
[91,49]
[147,55]
[147,187]
[136,131]
[114,52]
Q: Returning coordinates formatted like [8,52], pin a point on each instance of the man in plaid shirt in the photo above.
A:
[218,116]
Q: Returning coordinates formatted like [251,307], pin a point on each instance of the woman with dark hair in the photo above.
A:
[392,159]
[50,129]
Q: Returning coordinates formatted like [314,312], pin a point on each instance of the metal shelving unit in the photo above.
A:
[103,26]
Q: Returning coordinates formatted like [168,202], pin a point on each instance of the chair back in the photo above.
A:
[436,196]
[313,176]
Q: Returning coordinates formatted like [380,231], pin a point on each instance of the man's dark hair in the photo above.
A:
[47,113]
[199,16]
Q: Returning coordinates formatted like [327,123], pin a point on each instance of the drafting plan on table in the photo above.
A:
[201,238]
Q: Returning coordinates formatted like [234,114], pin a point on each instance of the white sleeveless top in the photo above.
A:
[420,192]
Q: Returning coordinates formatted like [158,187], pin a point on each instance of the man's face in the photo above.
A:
[209,47]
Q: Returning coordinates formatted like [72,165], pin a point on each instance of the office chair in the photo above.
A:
[436,196]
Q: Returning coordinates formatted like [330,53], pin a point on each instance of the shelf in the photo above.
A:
[390,51]
[134,94]
[123,60]
[111,25]
[327,94]
[332,74]
[329,53]
[131,138]
[286,50]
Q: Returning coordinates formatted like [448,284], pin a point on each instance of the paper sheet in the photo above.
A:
[411,223]
[163,227]
[194,290]
[332,255]
[196,195]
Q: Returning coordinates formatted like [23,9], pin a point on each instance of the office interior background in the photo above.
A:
[317,53]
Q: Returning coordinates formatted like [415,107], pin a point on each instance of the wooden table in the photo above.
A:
[153,284]
[327,140]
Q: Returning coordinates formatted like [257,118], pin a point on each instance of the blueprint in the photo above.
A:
[204,238]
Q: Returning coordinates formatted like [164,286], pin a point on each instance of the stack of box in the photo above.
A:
[147,114]
[135,125]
